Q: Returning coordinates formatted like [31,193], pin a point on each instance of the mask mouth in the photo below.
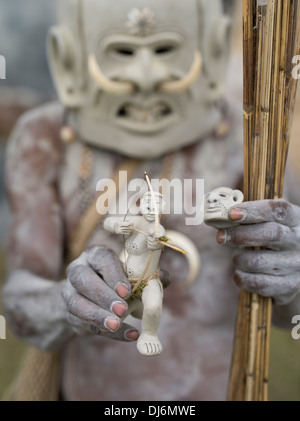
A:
[145,118]
[214,208]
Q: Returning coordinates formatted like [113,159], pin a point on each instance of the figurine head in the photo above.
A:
[217,204]
[140,77]
[148,208]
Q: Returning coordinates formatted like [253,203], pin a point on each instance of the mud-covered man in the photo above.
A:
[141,79]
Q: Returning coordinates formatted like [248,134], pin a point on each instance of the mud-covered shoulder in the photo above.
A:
[34,150]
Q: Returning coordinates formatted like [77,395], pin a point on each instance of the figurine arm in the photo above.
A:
[152,237]
[117,224]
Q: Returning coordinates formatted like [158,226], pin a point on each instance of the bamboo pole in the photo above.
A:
[271,34]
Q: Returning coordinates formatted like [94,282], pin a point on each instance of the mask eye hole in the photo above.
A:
[124,51]
[164,49]
[222,195]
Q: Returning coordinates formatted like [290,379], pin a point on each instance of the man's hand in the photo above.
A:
[95,294]
[275,226]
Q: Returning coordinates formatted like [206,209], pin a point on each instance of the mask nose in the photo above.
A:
[213,198]
[146,73]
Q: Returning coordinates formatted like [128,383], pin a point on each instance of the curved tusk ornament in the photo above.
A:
[125,88]
[188,80]
[108,85]
[192,255]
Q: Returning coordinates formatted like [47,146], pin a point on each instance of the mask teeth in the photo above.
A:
[151,115]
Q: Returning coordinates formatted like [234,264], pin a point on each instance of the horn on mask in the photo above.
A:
[188,80]
[108,85]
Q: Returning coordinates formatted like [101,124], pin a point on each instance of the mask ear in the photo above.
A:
[63,66]
[216,46]
[218,57]
[237,196]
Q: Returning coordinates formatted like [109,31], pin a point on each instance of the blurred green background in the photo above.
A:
[10,349]
[23,28]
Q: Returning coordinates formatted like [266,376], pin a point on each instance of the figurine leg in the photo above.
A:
[148,342]
[135,308]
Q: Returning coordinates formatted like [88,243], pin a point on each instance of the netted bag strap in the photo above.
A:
[38,378]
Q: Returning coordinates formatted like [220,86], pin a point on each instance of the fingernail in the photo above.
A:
[119,308]
[221,237]
[237,214]
[122,291]
[132,335]
[111,324]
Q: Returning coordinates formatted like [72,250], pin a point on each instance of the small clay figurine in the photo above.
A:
[217,204]
[143,249]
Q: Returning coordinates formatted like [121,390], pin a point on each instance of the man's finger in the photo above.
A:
[281,288]
[107,264]
[87,311]
[270,235]
[254,212]
[125,333]
[89,284]
[276,263]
